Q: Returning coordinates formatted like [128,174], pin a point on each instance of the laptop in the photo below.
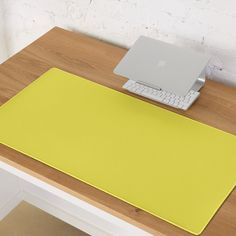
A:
[161,65]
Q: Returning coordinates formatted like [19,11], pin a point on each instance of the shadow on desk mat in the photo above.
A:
[171,166]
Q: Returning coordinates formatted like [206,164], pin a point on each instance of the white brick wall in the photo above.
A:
[205,25]
[3,47]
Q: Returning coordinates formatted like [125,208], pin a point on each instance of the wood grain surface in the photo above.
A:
[95,60]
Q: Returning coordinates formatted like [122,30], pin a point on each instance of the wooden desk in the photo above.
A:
[95,60]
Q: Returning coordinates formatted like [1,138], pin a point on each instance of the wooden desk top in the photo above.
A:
[95,60]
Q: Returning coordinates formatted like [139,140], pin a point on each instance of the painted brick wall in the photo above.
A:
[205,25]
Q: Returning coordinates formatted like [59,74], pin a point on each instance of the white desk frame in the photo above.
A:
[17,186]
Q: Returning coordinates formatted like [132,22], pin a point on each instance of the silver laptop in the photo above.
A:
[162,65]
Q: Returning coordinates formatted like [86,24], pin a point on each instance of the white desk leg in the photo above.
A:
[10,193]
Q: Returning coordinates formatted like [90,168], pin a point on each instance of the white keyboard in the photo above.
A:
[171,99]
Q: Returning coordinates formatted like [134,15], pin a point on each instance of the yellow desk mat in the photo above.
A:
[173,167]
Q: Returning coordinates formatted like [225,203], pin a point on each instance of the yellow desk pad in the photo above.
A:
[173,167]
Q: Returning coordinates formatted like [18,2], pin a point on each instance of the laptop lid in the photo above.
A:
[159,64]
